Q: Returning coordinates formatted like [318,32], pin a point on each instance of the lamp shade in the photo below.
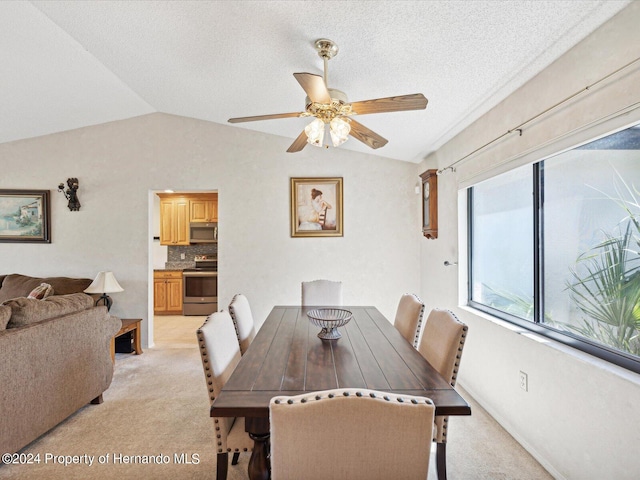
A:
[315,132]
[105,282]
[339,130]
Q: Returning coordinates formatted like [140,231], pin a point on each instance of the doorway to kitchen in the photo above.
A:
[182,265]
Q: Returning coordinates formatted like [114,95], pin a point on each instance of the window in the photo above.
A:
[555,247]
[502,243]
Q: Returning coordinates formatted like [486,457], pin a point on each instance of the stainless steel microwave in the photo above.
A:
[203,233]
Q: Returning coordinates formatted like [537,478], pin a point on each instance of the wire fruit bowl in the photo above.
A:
[329,319]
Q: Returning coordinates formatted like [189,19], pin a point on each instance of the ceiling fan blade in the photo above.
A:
[314,87]
[416,101]
[265,117]
[366,136]
[299,143]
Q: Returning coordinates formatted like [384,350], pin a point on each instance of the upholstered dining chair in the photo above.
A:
[441,344]
[350,433]
[243,320]
[409,317]
[220,354]
[321,293]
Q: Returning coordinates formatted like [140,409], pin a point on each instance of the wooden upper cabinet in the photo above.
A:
[204,209]
[178,210]
[182,222]
[174,220]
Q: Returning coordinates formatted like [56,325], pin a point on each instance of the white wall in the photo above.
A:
[159,252]
[580,415]
[119,163]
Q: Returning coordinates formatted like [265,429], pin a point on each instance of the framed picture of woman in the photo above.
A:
[316,207]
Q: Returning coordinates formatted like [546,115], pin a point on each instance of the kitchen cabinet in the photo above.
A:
[204,209]
[167,292]
[174,220]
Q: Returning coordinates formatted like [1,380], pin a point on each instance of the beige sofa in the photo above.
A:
[54,355]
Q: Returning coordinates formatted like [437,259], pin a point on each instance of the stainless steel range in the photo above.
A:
[200,295]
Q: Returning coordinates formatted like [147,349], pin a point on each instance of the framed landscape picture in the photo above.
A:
[24,216]
[316,207]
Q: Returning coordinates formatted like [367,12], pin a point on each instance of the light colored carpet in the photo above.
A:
[158,405]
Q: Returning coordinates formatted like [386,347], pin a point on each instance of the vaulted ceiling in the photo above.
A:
[70,64]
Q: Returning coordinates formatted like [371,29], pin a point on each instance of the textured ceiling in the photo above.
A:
[70,64]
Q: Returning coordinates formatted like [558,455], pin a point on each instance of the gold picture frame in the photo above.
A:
[316,207]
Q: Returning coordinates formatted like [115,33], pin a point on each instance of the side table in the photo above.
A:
[128,325]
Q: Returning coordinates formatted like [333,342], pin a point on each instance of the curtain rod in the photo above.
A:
[519,128]
[551,141]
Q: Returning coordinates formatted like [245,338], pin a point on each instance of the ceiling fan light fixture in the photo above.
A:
[331,107]
[339,129]
[315,132]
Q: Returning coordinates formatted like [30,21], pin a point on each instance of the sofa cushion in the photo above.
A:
[30,310]
[41,292]
[16,285]
[5,315]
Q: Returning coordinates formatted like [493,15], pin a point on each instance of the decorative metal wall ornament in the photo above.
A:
[71,193]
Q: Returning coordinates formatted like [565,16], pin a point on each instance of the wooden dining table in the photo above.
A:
[287,358]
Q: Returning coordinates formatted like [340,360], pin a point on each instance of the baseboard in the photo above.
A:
[511,431]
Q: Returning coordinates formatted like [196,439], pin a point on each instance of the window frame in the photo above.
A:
[616,357]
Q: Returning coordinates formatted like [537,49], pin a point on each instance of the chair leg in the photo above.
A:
[222,465]
[234,460]
[441,461]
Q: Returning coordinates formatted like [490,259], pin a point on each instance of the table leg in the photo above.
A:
[258,429]
[136,340]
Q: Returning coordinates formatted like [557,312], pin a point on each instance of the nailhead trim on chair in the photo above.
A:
[420,317]
[205,360]
[346,393]
[232,312]
[207,368]
[454,375]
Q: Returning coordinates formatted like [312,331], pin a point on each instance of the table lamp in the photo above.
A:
[105,282]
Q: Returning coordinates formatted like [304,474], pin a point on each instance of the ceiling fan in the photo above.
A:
[331,107]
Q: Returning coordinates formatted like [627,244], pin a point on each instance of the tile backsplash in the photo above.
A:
[174,259]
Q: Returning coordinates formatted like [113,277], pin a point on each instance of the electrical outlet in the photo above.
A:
[524,381]
[182,256]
